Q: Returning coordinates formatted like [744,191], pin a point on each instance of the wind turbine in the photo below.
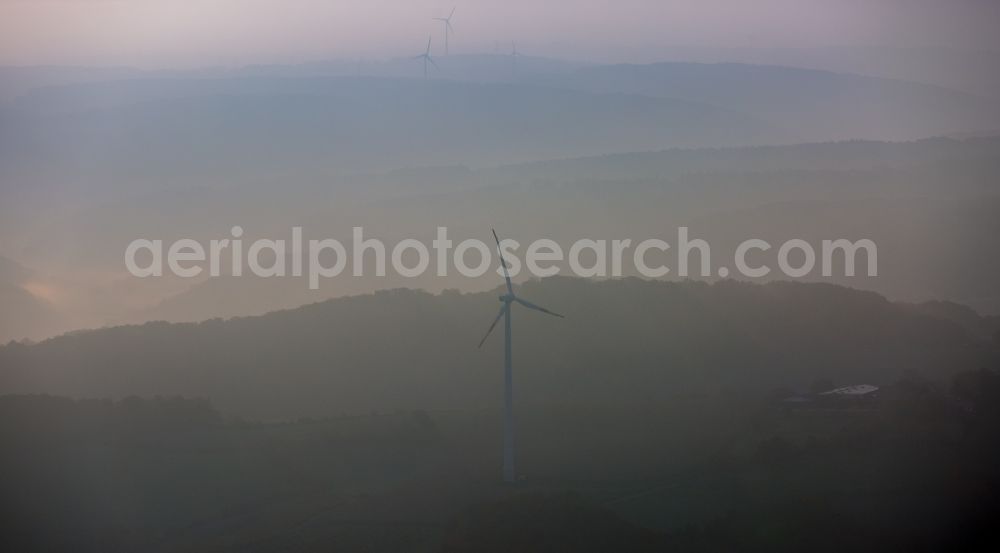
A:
[508,397]
[447,28]
[426,56]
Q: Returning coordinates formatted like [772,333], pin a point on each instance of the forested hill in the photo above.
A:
[626,341]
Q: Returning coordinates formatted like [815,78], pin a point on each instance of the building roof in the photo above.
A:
[856,390]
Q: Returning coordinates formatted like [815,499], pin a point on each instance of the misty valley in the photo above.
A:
[642,279]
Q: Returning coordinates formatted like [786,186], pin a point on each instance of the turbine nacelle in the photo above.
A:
[510,297]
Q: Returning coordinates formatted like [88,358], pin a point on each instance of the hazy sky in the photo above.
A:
[164,33]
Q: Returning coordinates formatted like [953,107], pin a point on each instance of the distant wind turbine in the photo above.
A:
[448,29]
[426,56]
[508,415]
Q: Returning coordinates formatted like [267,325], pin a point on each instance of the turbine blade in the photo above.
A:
[530,305]
[452,12]
[430,59]
[503,263]
[492,326]
[428,51]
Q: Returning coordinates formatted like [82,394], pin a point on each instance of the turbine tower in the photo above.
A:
[448,29]
[426,56]
[508,396]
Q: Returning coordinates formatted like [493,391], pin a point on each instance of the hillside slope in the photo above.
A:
[622,341]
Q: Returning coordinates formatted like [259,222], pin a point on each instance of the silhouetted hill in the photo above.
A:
[351,123]
[977,153]
[816,104]
[625,341]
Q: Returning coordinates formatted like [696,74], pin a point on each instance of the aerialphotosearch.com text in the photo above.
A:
[325,258]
